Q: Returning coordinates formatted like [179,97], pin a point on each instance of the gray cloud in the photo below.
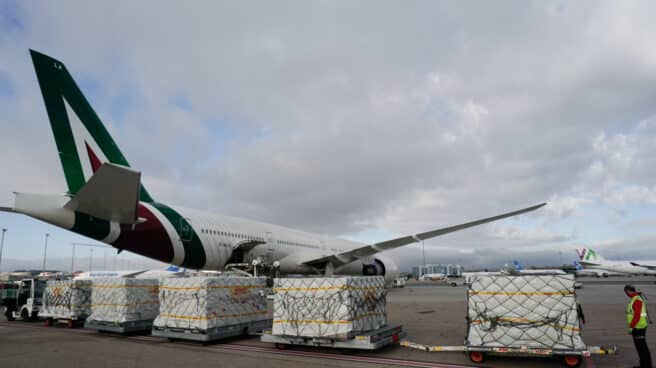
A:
[341,117]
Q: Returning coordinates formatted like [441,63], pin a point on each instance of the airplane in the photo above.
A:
[106,201]
[580,271]
[542,271]
[171,271]
[591,260]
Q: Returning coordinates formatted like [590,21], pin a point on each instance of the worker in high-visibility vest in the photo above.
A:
[638,319]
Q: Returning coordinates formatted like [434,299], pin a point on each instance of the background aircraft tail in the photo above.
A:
[577,266]
[518,266]
[588,255]
[83,142]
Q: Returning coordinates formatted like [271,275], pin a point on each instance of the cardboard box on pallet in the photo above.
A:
[332,307]
[535,311]
[66,299]
[203,303]
[121,300]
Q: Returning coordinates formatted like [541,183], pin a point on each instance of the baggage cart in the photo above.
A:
[255,327]
[371,340]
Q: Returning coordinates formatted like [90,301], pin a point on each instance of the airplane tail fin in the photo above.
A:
[589,255]
[83,142]
[518,266]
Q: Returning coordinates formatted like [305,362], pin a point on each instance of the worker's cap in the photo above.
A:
[630,288]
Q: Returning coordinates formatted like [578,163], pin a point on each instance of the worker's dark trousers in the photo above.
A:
[640,341]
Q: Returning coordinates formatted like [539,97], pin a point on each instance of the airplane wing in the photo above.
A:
[112,194]
[368,250]
[643,265]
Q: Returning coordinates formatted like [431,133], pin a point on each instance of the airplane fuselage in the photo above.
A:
[199,239]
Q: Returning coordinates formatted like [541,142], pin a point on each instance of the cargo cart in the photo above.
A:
[477,354]
[528,315]
[213,334]
[119,327]
[371,340]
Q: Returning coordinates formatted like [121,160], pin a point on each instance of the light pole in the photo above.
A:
[423,257]
[90,258]
[2,245]
[45,252]
[73,259]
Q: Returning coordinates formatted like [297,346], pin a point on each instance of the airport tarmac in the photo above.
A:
[431,314]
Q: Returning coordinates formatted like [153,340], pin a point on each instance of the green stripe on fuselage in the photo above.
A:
[194,256]
[90,226]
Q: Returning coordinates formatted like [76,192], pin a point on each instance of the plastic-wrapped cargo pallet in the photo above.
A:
[535,311]
[120,301]
[66,299]
[331,307]
[204,303]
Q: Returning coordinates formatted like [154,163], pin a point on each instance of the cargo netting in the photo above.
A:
[535,311]
[120,300]
[66,299]
[203,303]
[335,307]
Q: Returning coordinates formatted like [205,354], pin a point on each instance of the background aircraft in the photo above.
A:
[542,271]
[591,260]
[171,271]
[107,202]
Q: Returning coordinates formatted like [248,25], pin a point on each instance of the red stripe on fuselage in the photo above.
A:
[149,238]
[95,162]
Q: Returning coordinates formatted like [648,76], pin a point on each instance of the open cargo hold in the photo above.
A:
[210,308]
[335,307]
[123,305]
[68,300]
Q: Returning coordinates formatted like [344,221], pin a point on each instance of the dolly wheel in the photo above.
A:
[572,361]
[476,356]
[280,346]
[69,323]
[48,322]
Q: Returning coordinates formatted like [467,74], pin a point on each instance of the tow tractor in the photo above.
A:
[22,299]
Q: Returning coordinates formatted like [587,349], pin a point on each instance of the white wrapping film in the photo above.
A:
[66,299]
[120,300]
[203,303]
[537,311]
[337,307]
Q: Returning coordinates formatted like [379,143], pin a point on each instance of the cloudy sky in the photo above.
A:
[365,120]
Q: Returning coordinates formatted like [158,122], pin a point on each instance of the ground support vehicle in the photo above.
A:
[371,340]
[255,327]
[477,354]
[22,299]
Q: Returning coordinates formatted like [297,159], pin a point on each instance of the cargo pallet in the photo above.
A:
[477,354]
[119,327]
[371,340]
[216,333]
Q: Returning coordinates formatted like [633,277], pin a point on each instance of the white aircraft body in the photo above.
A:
[172,271]
[591,260]
[539,271]
[106,201]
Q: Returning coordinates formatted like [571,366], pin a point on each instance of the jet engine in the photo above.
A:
[379,266]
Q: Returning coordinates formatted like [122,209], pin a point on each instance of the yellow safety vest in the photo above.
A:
[642,323]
